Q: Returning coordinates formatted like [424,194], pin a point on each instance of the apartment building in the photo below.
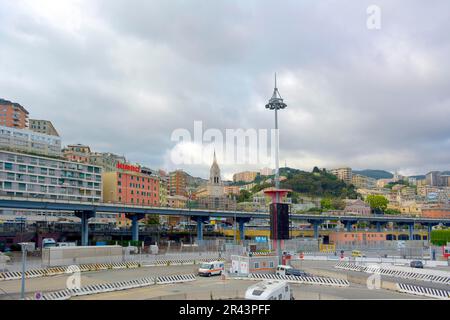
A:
[13,115]
[245,176]
[344,174]
[43,126]
[363,182]
[130,184]
[15,139]
[178,183]
[77,153]
[26,175]
[108,161]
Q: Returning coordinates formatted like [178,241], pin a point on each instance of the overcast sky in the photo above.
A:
[120,76]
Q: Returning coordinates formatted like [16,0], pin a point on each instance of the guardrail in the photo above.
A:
[115,286]
[423,291]
[296,279]
[34,273]
[435,276]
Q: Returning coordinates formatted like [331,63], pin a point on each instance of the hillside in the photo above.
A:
[376,174]
[317,183]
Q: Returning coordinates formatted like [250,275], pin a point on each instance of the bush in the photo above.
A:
[440,237]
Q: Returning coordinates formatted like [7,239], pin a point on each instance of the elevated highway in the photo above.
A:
[87,210]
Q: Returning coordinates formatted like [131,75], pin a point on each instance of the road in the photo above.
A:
[329,266]
[202,288]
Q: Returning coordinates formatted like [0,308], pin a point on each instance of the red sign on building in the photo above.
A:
[128,167]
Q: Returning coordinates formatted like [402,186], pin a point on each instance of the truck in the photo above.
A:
[284,270]
[269,290]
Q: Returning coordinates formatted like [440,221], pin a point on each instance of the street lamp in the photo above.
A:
[276,103]
[24,267]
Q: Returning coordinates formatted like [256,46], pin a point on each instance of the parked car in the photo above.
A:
[416,264]
[358,254]
[297,273]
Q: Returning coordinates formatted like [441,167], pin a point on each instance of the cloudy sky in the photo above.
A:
[121,76]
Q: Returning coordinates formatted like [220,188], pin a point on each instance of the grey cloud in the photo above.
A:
[134,71]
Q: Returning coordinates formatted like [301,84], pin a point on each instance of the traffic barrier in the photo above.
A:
[12,275]
[423,291]
[300,279]
[436,276]
[175,279]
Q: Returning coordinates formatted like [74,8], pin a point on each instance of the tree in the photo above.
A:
[244,196]
[332,204]
[377,202]
[152,219]
[316,170]
[325,204]
[391,211]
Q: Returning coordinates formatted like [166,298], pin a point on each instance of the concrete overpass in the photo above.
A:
[87,210]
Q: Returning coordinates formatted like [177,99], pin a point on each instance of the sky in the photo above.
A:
[122,76]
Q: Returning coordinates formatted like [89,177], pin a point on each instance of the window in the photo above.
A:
[7,185]
[256,265]
[43,170]
[8,166]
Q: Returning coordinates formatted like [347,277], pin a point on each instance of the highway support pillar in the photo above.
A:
[134,217]
[315,224]
[379,225]
[429,229]
[411,231]
[348,226]
[242,222]
[200,221]
[85,216]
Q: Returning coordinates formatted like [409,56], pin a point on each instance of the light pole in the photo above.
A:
[276,103]
[24,267]
[234,233]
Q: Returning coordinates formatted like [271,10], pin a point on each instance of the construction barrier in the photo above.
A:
[423,291]
[115,286]
[175,279]
[52,271]
[435,276]
[297,279]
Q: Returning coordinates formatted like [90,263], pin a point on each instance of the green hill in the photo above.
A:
[317,183]
[376,174]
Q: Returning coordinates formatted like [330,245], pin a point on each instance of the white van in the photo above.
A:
[48,242]
[281,270]
[269,290]
[211,268]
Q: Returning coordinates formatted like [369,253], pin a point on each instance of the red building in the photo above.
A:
[131,184]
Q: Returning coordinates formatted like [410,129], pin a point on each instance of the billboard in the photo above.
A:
[279,221]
